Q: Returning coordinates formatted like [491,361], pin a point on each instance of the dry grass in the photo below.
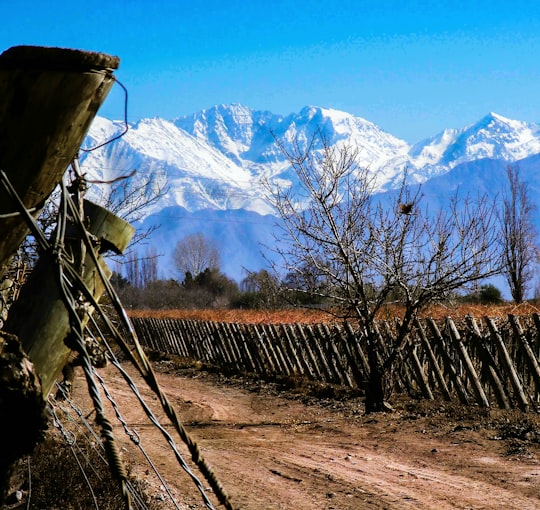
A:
[305,316]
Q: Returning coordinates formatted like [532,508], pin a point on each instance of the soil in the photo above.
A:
[273,446]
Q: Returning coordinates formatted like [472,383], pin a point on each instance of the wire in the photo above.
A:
[140,361]
[135,438]
[29,483]
[93,441]
[71,283]
[15,214]
[126,125]
[70,441]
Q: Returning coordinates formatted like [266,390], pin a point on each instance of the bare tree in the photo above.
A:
[130,197]
[141,270]
[263,287]
[369,252]
[518,236]
[195,253]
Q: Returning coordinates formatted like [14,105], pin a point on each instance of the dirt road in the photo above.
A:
[276,450]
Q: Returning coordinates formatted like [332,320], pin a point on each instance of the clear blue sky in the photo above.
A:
[411,67]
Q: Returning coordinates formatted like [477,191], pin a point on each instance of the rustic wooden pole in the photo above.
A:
[419,371]
[469,367]
[298,348]
[360,358]
[489,365]
[48,99]
[274,345]
[433,360]
[507,362]
[447,359]
[324,369]
[529,355]
[401,378]
[310,356]
[250,341]
[335,338]
[265,348]
[40,318]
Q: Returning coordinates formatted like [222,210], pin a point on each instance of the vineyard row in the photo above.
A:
[478,361]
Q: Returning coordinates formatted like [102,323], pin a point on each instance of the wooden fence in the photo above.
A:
[484,361]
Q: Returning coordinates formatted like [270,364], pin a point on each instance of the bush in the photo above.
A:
[485,295]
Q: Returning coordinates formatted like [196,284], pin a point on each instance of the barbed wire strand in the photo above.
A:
[66,288]
[80,418]
[140,361]
[136,496]
[133,436]
[117,469]
[52,401]
[114,360]
[70,440]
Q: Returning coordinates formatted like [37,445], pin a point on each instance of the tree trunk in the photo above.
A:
[375,391]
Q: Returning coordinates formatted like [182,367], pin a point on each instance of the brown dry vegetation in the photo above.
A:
[311,316]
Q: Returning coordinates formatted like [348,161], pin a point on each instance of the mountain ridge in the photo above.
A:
[217,159]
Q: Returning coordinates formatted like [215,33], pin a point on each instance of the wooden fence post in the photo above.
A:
[507,362]
[40,318]
[49,97]
[433,360]
[529,355]
[469,367]
[490,367]
[308,351]
[449,365]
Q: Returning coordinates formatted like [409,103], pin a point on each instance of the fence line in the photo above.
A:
[478,361]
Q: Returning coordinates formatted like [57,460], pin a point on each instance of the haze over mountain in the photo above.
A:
[214,162]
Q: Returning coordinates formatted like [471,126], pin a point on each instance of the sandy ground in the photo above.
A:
[274,449]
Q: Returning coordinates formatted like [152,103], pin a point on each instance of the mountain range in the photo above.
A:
[214,162]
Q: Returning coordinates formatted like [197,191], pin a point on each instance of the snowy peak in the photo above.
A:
[493,136]
[216,158]
[231,129]
[249,136]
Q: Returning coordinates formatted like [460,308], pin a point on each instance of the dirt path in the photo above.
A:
[272,450]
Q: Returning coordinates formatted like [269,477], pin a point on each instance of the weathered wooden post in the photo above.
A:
[48,99]
[39,322]
[39,318]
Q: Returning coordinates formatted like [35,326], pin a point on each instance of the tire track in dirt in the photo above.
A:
[272,452]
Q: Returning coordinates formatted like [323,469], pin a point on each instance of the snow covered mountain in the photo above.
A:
[493,137]
[214,163]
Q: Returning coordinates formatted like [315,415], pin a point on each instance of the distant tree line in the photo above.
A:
[393,256]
